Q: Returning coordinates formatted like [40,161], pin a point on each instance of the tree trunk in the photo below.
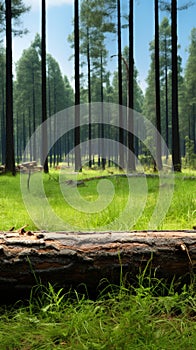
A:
[131,151]
[157,88]
[89,100]
[176,158]
[103,159]
[70,259]
[44,111]
[24,136]
[77,87]
[121,131]
[10,157]
[166,103]
[3,140]
[34,115]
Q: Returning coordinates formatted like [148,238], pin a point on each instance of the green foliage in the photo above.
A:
[190,157]
[146,157]
[190,88]
[27,87]
[18,8]
[27,94]
[69,98]
[95,23]
[186,91]
[138,94]
[56,87]
[149,109]
[121,318]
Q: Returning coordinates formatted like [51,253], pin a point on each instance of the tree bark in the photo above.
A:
[70,259]
[176,156]
[44,159]
[121,130]
[89,100]
[10,156]
[78,165]
[131,153]
[157,89]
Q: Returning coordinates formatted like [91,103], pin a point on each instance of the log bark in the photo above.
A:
[70,259]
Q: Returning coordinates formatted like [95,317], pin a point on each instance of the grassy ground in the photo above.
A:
[149,316]
[181,214]
[121,318]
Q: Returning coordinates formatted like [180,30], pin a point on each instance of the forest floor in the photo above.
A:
[97,203]
[149,315]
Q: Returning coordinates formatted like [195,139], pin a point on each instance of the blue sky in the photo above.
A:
[59,26]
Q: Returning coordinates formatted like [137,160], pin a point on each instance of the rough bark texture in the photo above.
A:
[69,259]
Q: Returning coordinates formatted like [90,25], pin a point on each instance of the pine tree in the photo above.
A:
[44,158]
[94,25]
[176,157]
[27,92]
[190,84]
[78,164]
[157,88]
[10,10]
[2,104]
[18,8]
[120,101]
[176,152]
[130,72]
[165,68]
[10,157]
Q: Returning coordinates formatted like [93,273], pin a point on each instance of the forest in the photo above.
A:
[97,183]
[39,90]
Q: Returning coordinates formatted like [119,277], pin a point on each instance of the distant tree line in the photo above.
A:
[170,92]
[169,101]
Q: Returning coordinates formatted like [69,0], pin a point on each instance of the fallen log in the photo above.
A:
[71,259]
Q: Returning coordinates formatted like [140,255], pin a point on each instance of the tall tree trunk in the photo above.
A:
[131,150]
[34,113]
[103,159]
[157,88]
[89,100]
[29,129]
[10,158]
[77,87]
[56,146]
[24,135]
[3,123]
[166,102]
[17,139]
[49,111]
[44,110]
[121,132]
[176,158]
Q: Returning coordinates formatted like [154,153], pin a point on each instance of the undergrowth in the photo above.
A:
[148,315]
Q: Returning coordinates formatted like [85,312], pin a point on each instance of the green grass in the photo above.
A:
[181,214]
[12,209]
[121,318]
[148,315]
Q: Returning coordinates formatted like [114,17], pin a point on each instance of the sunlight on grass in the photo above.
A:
[144,315]
[181,214]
